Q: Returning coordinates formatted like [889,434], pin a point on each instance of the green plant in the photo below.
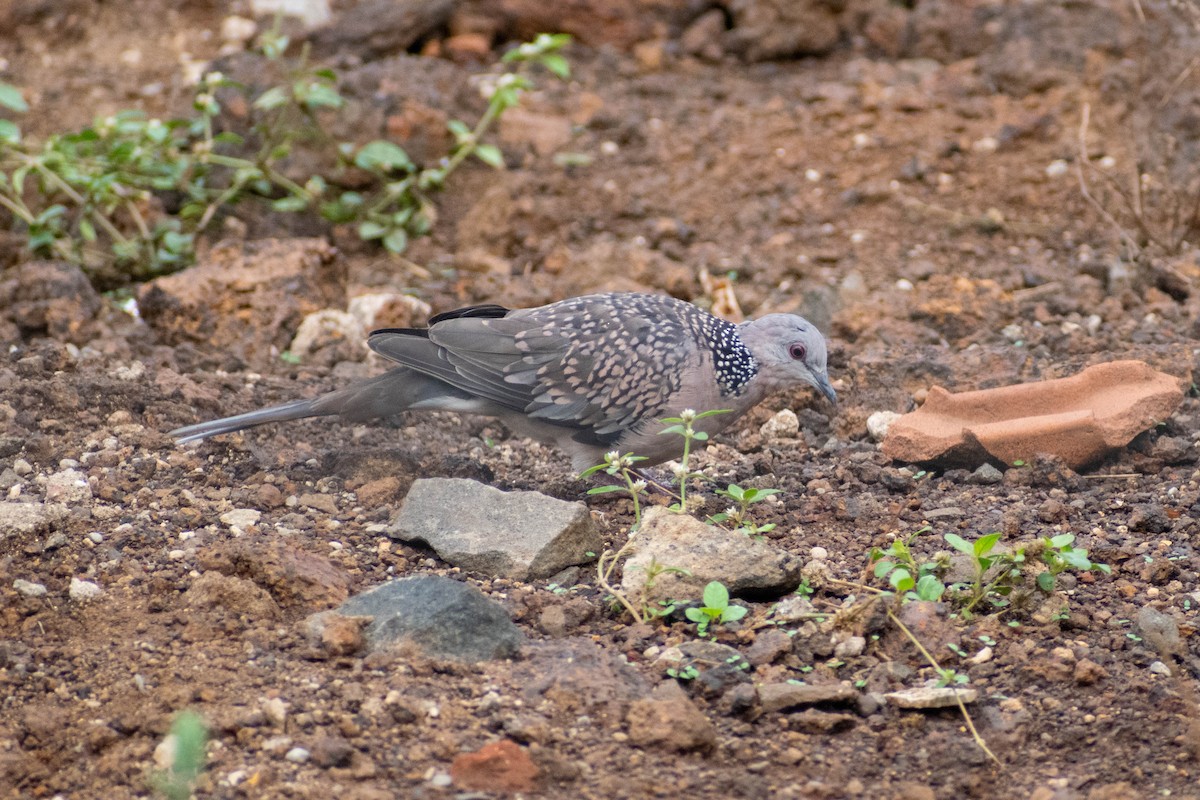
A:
[915,581]
[684,425]
[995,574]
[688,673]
[188,738]
[715,608]
[127,197]
[622,466]
[1059,555]
[738,515]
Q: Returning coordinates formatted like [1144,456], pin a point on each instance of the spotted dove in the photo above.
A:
[590,374]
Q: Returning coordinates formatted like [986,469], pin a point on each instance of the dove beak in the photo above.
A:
[825,388]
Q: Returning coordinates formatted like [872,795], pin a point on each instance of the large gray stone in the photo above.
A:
[518,535]
[708,553]
[27,518]
[443,617]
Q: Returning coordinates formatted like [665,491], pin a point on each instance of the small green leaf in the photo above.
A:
[396,241]
[490,155]
[271,99]
[383,156]
[11,98]
[556,64]
[883,568]
[1062,540]
[733,613]
[960,544]
[87,230]
[930,588]
[319,95]
[291,203]
[984,544]
[695,615]
[1045,581]
[9,132]
[601,489]
[460,129]
[716,595]
[371,230]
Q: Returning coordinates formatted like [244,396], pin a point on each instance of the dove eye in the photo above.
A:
[798,351]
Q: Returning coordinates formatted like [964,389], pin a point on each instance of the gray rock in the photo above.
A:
[708,554]
[784,696]
[518,535]
[443,617]
[17,519]
[986,475]
[29,588]
[83,591]
[68,486]
[929,697]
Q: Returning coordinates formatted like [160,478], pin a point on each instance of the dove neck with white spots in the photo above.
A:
[733,363]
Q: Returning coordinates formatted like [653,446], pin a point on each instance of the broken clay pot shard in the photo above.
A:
[1079,419]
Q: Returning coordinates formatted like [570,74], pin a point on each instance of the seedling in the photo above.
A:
[188,738]
[1059,555]
[716,608]
[620,465]
[738,514]
[688,673]
[684,425]
[915,581]
[993,586]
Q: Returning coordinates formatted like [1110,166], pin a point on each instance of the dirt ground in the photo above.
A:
[903,174]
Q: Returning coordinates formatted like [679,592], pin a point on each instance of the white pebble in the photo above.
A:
[82,591]
[1056,168]
[441,779]
[297,755]
[904,285]
[67,486]
[818,554]
[1159,668]
[29,588]
[610,148]
[982,657]
[851,648]
[879,423]
[812,175]
[987,144]
[96,536]
[241,517]
[177,555]
[784,425]
[22,467]
[237,29]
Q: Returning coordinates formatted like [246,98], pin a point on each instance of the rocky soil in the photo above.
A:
[905,175]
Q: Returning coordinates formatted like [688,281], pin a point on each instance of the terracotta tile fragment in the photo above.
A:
[1079,419]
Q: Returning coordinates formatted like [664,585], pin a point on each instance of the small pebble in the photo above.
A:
[784,425]
[1159,668]
[96,536]
[22,467]
[879,423]
[1056,168]
[297,755]
[241,517]
[82,591]
[29,588]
